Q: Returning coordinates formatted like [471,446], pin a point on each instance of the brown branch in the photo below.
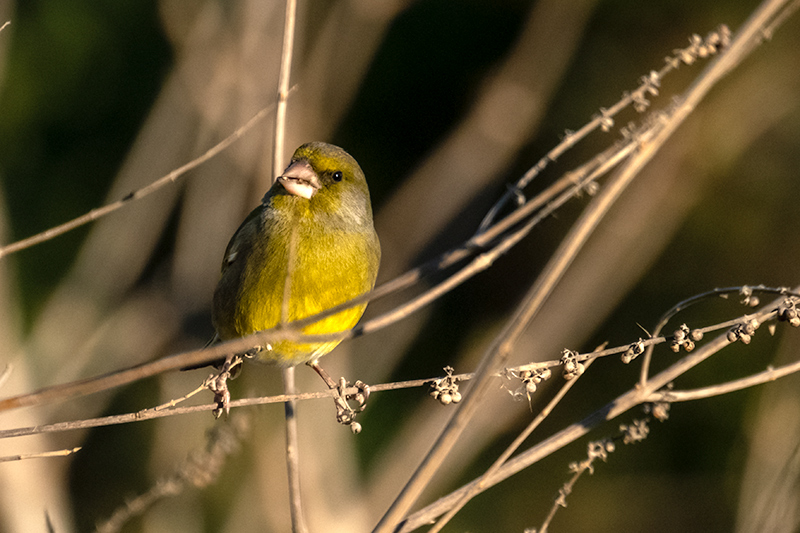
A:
[100,212]
[92,385]
[507,453]
[605,119]
[199,469]
[41,455]
[634,397]
[768,375]
[161,412]
[661,131]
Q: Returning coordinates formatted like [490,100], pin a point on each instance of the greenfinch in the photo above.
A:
[309,246]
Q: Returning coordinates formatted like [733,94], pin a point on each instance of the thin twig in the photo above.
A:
[768,375]
[604,120]
[199,469]
[636,396]
[160,412]
[595,450]
[650,145]
[508,452]
[293,454]
[680,306]
[42,455]
[500,350]
[283,88]
[100,212]
[290,407]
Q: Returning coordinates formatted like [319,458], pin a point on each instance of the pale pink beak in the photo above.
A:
[300,179]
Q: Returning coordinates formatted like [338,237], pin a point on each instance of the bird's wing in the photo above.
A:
[244,235]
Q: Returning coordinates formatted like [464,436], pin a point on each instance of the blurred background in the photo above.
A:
[443,103]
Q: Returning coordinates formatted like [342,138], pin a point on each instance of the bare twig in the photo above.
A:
[719,292]
[770,374]
[293,454]
[595,450]
[636,396]
[100,212]
[198,470]
[507,453]
[42,455]
[605,119]
[283,88]
[661,131]
[290,407]
[161,412]
[767,313]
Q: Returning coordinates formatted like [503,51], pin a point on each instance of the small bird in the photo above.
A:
[309,246]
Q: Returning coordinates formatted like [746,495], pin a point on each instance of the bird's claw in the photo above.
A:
[345,412]
[218,384]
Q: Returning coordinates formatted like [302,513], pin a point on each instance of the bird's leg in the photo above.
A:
[345,413]
[324,375]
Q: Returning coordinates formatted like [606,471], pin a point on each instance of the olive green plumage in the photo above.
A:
[309,246]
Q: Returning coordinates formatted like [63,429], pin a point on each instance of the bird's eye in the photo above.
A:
[337,176]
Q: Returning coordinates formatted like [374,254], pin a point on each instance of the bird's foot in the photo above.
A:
[347,405]
[218,384]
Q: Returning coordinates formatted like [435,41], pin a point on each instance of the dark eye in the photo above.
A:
[337,176]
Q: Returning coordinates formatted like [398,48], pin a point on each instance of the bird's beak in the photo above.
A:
[300,179]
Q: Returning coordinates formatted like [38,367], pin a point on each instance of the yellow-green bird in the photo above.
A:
[309,246]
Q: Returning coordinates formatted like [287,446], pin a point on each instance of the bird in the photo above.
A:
[310,245]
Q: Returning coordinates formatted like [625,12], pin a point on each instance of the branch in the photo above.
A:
[42,455]
[662,130]
[290,407]
[524,373]
[283,88]
[100,212]
[637,395]
[648,143]
[770,374]
[507,453]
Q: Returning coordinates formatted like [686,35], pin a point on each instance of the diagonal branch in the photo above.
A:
[107,209]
